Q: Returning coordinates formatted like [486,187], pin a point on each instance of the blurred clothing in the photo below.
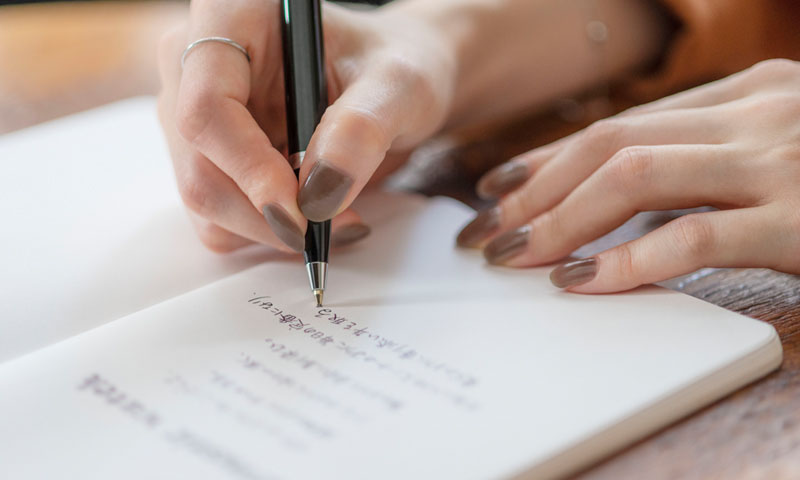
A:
[716,38]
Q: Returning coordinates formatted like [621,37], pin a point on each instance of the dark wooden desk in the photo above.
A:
[58,59]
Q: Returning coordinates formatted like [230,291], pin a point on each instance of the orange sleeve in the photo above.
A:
[716,38]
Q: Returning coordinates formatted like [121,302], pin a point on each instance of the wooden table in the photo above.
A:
[58,59]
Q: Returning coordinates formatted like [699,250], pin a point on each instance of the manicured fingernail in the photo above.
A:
[502,179]
[284,227]
[350,234]
[323,192]
[484,224]
[507,246]
[575,273]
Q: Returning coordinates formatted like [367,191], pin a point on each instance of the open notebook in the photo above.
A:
[425,364]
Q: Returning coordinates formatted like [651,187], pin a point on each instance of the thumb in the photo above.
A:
[381,109]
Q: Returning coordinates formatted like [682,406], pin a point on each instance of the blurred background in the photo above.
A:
[57,58]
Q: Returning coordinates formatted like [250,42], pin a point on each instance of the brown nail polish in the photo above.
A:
[284,227]
[507,246]
[484,224]
[574,273]
[502,179]
[323,192]
[349,234]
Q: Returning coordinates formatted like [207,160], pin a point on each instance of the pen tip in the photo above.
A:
[318,297]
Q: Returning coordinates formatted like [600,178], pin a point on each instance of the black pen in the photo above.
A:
[306,100]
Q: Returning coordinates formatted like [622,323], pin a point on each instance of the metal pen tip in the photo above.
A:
[318,297]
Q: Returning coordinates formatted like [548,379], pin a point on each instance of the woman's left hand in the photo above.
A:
[733,144]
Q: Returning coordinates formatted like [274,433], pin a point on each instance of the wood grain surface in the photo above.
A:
[57,59]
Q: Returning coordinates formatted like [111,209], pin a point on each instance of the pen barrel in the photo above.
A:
[306,98]
[304,64]
[317,241]
[318,235]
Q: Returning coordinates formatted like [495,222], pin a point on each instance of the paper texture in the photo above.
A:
[425,364]
[93,228]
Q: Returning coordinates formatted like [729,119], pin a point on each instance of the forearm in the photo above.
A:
[520,55]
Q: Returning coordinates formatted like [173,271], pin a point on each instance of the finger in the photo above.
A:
[208,192]
[579,158]
[710,94]
[213,118]
[215,238]
[511,175]
[636,179]
[597,145]
[730,238]
[391,105]
[771,73]
[205,189]
[348,228]
[507,177]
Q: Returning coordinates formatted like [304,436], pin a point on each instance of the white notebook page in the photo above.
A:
[425,364]
[92,226]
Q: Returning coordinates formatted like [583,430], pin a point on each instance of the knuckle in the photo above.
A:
[238,11]
[511,205]
[517,207]
[792,103]
[777,106]
[789,155]
[194,113]
[169,47]
[603,133]
[776,66]
[255,180]
[364,126]
[783,106]
[625,261]
[411,77]
[197,193]
[552,221]
[694,236]
[214,238]
[630,170]
[768,72]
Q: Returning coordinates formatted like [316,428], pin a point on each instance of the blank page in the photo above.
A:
[93,228]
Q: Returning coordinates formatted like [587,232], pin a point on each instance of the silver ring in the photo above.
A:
[226,41]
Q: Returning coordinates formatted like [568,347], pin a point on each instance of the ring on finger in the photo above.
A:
[226,41]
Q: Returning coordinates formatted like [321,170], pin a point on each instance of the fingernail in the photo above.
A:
[507,246]
[502,179]
[323,192]
[350,234]
[574,273]
[284,227]
[484,224]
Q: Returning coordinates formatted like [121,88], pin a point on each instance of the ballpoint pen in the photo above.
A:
[306,100]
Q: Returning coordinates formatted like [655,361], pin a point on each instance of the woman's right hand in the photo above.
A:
[391,81]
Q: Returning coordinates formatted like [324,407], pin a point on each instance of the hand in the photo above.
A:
[390,81]
[733,144]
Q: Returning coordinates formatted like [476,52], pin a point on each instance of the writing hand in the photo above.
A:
[224,118]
